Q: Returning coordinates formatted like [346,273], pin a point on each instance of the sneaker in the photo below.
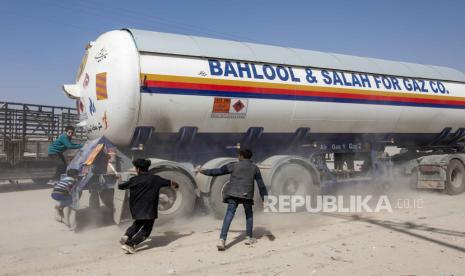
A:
[128,249]
[250,241]
[221,245]
[123,240]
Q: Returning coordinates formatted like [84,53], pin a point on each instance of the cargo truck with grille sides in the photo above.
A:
[26,130]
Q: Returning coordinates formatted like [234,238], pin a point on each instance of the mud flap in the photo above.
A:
[119,198]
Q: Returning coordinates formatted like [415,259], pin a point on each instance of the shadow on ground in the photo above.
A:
[163,240]
[258,232]
[407,228]
[88,218]
[17,187]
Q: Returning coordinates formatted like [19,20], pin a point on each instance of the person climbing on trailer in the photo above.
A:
[58,147]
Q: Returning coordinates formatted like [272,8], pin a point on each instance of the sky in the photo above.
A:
[43,40]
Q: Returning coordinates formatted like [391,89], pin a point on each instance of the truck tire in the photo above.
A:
[294,179]
[174,204]
[218,208]
[455,183]
[215,202]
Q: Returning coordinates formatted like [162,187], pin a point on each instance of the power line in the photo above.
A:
[135,17]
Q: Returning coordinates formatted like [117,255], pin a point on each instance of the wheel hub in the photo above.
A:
[169,201]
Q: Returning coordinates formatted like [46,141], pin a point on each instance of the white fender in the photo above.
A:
[269,166]
[185,168]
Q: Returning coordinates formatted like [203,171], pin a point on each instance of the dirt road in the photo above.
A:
[409,241]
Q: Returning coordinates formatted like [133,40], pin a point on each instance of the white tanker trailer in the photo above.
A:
[184,101]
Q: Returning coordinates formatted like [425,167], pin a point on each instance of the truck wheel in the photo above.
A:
[217,206]
[215,201]
[294,179]
[106,196]
[176,203]
[455,183]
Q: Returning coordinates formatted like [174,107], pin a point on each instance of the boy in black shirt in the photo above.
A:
[144,191]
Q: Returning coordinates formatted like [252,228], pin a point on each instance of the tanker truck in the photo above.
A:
[312,119]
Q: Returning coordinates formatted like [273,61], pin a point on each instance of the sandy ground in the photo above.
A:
[409,241]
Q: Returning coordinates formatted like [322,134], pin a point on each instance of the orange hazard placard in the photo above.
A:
[221,105]
[101,86]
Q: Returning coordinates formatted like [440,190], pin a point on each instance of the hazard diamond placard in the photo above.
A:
[235,108]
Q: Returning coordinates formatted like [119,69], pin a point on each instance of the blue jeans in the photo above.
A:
[63,200]
[232,206]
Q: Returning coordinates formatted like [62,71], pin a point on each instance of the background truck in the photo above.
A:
[26,130]
[312,119]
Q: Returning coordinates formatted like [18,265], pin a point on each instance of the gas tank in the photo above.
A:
[130,79]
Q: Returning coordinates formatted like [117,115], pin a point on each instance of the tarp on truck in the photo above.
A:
[91,159]
[86,153]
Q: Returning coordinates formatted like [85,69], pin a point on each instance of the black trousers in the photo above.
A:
[139,231]
[60,163]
